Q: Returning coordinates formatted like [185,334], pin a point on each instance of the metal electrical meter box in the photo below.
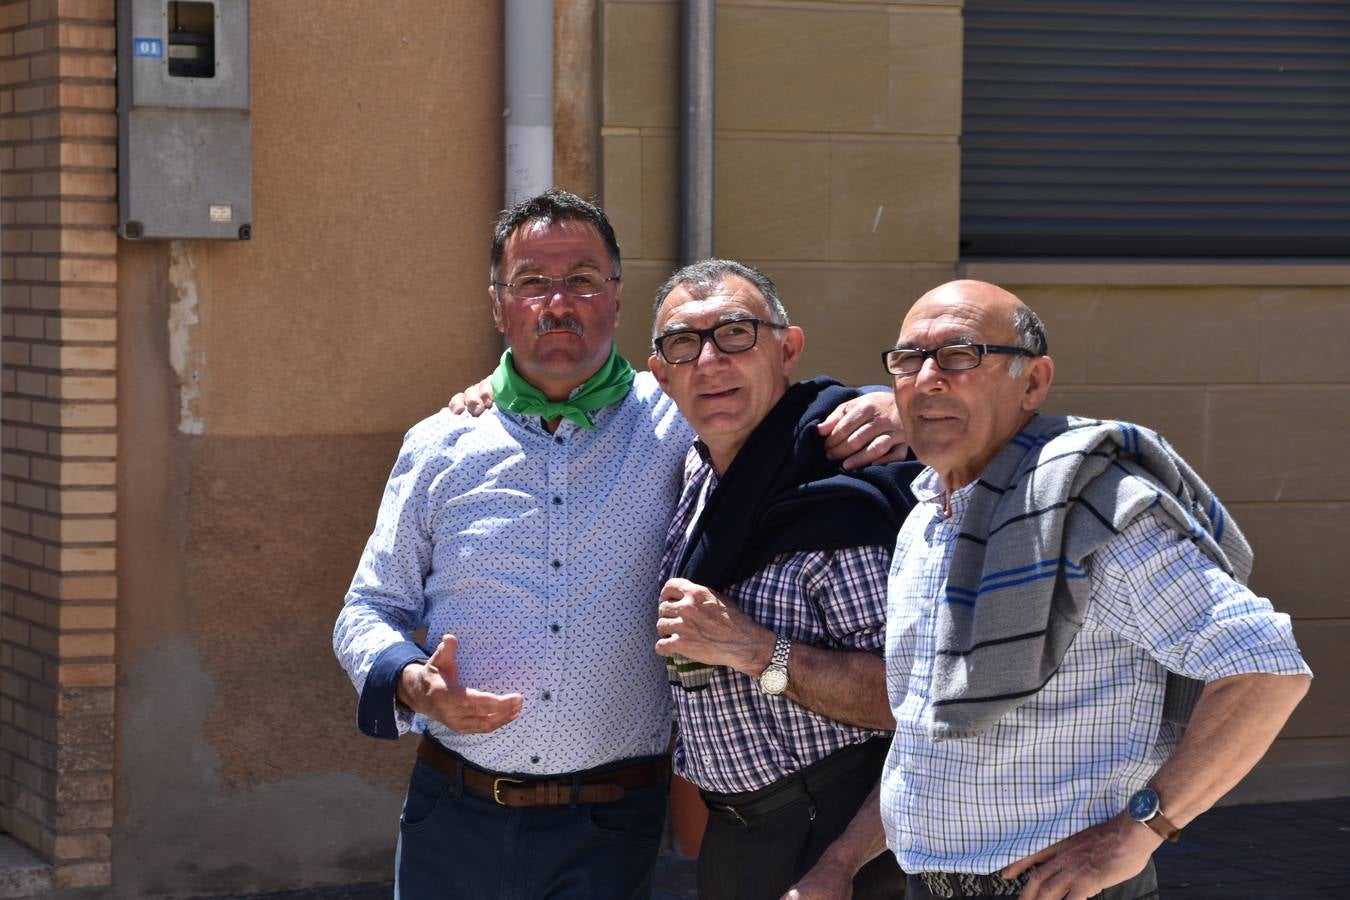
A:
[184,135]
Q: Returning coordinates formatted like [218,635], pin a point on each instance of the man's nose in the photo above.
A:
[930,377]
[707,351]
[558,295]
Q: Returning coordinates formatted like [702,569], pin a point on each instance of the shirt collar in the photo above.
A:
[928,488]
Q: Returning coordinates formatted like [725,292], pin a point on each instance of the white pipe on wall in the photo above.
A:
[529,98]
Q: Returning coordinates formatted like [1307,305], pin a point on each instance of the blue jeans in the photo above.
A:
[455,843]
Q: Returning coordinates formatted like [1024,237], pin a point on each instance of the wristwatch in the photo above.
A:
[774,679]
[1146,809]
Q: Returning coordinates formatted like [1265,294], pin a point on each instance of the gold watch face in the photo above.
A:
[774,680]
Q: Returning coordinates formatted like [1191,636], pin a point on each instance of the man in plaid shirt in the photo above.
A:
[1056,576]
[772,615]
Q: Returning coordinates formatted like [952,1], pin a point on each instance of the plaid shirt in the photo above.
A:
[733,737]
[1070,756]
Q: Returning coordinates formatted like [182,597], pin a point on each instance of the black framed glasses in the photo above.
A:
[949,357]
[537,287]
[736,336]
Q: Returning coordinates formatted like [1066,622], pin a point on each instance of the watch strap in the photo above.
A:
[1163,826]
[774,679]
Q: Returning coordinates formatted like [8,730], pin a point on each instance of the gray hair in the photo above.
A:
[703,277]
[549,208]
[1030,336]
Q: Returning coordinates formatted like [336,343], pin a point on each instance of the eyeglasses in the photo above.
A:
[949,357]
[737,336]
[537,287]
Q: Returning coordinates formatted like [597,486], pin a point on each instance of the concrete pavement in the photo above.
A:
[1275,851]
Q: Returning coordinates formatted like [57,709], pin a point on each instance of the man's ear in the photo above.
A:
[1040,375]
[657,367]
[496,309]
[792,344]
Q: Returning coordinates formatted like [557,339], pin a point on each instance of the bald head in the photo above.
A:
[958,418]
[980,299]
[970,290]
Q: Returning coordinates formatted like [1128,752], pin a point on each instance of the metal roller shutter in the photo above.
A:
[1142,127]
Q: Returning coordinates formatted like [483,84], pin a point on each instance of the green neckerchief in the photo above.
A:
[607,386]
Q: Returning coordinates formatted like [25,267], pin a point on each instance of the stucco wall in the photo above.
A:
[265,386]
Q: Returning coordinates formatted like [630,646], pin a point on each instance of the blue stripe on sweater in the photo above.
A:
[1056,562]
[1039,576]
[1197,533]
[1130,439]
[1029,441]
[1049,568]
[961,596]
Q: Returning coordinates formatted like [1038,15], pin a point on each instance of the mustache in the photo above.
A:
[549,322]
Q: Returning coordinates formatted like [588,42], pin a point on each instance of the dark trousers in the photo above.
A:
[455,843]
[1143,886]
[776,834]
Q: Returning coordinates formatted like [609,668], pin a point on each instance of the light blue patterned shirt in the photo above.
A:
[1070,756]
[540,552]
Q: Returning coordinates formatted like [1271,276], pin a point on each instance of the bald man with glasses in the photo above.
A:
[1066,593]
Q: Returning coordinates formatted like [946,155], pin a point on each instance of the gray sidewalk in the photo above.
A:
[1275,851]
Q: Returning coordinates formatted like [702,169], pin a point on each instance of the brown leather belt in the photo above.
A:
[508,790]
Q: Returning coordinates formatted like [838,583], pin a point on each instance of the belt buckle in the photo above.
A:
[497,788]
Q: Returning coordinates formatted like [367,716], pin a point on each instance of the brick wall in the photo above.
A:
[58,130]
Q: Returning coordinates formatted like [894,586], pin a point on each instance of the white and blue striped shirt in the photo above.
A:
[1070,756]
[540,553]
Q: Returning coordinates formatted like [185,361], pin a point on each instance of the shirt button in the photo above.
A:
[557,564]
[557,439]
[555,628]
[557,501]
[534,759]
[548,695]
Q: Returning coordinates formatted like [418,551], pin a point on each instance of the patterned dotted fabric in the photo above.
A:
[733,737]
[540,553]
[1071,756]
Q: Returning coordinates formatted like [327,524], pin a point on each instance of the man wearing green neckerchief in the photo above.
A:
[526,543]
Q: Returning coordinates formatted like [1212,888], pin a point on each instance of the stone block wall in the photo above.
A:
[1232,362]
[837,163]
